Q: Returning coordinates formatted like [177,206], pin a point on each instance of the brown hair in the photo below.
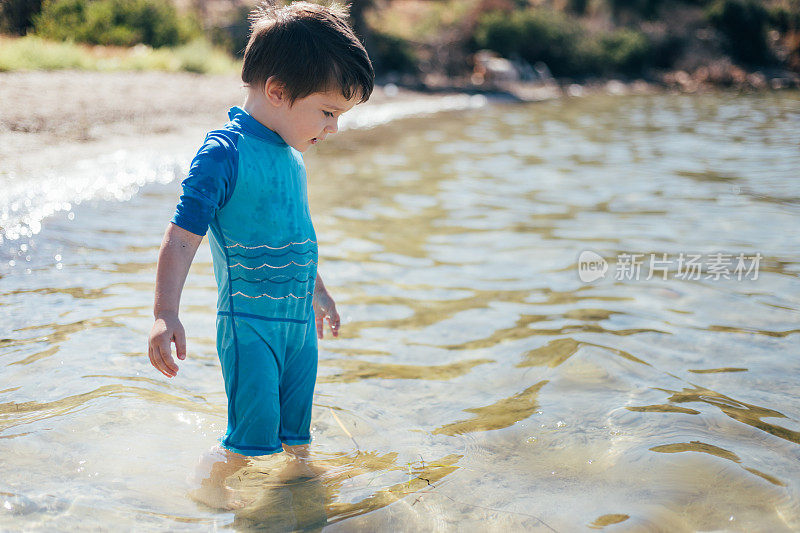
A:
[309,48]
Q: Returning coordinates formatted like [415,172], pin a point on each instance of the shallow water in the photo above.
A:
[478,383]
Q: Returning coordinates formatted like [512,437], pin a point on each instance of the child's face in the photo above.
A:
[311,119]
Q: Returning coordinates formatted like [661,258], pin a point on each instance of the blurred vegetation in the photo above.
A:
[115,22]
[743,24]
[126,34]
[16,16]
[582,39]
[418,38]
[34,53]
[391,53]
[562,43]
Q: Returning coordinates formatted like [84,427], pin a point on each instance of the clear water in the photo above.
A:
[478,383]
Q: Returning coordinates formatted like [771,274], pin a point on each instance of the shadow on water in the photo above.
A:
[310,503]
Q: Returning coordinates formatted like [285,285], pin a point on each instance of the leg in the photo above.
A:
[297,385]
[213,468]
[296,397]
[251,365]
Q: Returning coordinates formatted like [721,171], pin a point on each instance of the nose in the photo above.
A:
[333,125]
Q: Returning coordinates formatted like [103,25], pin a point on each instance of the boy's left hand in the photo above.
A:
[325,308]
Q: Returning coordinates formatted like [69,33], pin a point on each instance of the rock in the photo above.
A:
[489,67]
[615,87]
[575,90]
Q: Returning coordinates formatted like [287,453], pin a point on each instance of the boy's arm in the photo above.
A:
[324,307]
[174,258]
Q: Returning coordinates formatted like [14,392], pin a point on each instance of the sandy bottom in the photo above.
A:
[477,384]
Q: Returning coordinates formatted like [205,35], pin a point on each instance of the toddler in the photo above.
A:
[303,68]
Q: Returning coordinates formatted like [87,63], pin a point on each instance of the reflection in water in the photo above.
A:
[501,414]
[696,446]
[422,476]
[607,520]
[757,331]
[16,414]
[717,370]
[75,292]
[279,503]
[357,370]
[557,351]
[293,506]
[55,335]
[476,380]
[743,412]
[664,408]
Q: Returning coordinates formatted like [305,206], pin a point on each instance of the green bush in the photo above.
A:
[577,6]
[743,23]
[16,16]
[234,35]
[626,51]
[391,54]
[562,43]
[201,57]
[646,9]
[34,53]
[666,49]
[534,35]
[115,22]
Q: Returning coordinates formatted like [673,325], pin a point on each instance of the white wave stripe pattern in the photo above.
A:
[310,261]
[238,245]
[267,295]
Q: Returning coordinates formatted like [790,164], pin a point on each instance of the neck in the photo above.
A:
[257,107]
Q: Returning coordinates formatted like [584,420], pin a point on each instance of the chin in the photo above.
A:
[300,147]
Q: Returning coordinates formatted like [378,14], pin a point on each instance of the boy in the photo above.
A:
[303,67]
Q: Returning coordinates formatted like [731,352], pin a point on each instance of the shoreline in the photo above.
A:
[52,117]
[706,79]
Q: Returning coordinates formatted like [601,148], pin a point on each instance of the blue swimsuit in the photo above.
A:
[249,187]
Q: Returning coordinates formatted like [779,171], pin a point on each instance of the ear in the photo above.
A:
[275,91]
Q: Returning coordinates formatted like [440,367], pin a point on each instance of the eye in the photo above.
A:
[327,113]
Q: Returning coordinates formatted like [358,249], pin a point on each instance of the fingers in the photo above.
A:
[156,360]
[180,343]
[166,359]
[166,331]
[318,320]
[160,357]
[150,355]
[333,320]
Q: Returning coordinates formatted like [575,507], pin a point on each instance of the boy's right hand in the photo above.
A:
[166,330]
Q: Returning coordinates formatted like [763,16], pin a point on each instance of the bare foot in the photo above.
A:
[223,498]
[300,465]
[209,487]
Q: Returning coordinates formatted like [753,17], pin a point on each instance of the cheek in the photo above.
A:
[311,123]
